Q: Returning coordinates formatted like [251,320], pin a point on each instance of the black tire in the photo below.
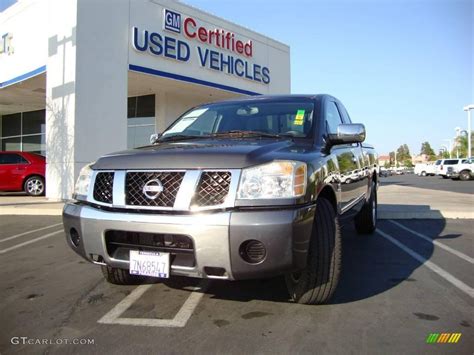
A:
[423,173]
[366,220]
[465,175]
[34,186]
[316,283]
[444,176]
[117,276]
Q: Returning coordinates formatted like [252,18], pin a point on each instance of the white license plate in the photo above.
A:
[148,263]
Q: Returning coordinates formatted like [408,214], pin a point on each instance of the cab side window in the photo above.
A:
[345,115]
[333,118]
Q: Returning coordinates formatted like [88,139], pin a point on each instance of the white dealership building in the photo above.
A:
[81,78]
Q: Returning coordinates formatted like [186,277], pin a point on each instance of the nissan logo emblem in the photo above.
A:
[152,189]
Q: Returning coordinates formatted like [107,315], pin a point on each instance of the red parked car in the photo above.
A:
[22,171]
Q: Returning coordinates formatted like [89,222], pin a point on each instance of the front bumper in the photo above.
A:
[216,238]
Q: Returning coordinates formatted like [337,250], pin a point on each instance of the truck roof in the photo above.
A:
[260,98]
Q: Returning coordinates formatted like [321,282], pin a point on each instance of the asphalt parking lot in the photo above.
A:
[411,279]
[430,182]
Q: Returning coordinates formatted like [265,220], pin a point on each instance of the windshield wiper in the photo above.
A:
[242,133]
[178,137]
[231,134]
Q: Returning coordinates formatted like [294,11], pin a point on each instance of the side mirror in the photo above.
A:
[347,134]
[154,138]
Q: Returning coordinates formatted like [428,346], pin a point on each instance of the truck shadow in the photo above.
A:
[371,265]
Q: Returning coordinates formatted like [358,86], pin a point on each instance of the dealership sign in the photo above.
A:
[6,46]
[188,29]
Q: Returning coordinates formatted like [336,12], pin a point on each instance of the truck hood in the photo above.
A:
[204,154]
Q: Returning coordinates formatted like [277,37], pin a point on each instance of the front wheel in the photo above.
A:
[366,219]
[316,283]
[464,175]
[34,186]
[118,276]
[423,173]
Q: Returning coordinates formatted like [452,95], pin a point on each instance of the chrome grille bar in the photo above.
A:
[185,195]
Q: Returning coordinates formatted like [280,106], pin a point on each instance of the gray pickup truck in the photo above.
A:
[242,189]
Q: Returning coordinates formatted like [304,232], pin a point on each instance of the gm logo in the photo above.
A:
[172,21]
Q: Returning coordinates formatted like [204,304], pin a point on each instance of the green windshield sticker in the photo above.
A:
[299,118]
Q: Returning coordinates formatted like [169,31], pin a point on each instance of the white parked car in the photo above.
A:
[442,167]
[463,171]
[425,169]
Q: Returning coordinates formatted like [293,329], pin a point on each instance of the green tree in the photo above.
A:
[403,153]
[408,163]
[386,165]
[460,146]
[443,154]
[426,149]
[392,158]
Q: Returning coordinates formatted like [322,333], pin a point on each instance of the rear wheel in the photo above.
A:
[118,276]
[444,176]
[34,186]
[423,173]
[366,219]
[464,175]
[316,283]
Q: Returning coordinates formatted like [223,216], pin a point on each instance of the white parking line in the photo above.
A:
[179,320]
[435,242]
[29,232]
[3,251]
[433,267]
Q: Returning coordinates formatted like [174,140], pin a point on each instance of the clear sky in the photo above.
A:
[404,68]
[6,3]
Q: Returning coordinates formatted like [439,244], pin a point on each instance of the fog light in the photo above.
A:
[252,251]
[74,237]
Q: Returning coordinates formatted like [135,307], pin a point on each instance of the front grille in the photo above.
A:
[213,188]
[135,181]
[180,247]
[103,187]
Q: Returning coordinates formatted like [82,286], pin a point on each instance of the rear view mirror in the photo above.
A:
[347,134]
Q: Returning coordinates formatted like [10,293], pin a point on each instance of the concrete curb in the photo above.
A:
[15,211]
[425,215]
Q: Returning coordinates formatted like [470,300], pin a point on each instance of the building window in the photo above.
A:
[141,106]
[11,125]
[141,120]
[24,131]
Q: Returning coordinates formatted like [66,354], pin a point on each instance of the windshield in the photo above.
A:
[292,119]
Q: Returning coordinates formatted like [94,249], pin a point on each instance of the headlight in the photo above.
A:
[279,179]
[83,181]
